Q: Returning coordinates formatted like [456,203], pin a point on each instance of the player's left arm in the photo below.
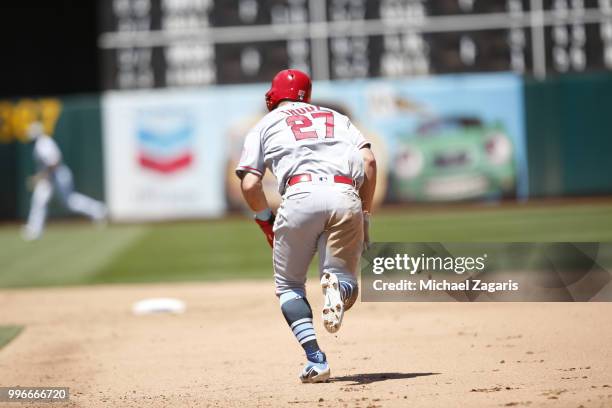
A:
[250,170]
[252,191]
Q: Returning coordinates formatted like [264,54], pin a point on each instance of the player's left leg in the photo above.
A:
[41,195]
[77,202]
[298,314]
[298,225]
[339,252]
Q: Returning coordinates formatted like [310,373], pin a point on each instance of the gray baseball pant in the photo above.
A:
[318,215]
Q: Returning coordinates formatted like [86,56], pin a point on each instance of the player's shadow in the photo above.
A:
[370,378]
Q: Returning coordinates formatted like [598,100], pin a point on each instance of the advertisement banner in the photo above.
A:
[161,159]
[436,139]
[172,153]
[445,138]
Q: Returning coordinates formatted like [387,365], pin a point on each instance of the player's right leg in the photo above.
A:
[339,252]
[298,225]
[74,201]
[41,195]
[82,204]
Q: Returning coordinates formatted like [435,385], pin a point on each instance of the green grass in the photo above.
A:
[585,223]
[67,254]
[234,248]
[8,333]
[231,249]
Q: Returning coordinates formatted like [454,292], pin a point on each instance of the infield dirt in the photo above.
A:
[233,348]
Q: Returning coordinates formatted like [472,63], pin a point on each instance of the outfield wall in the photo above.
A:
[559,132]
[75,123]
[569,135]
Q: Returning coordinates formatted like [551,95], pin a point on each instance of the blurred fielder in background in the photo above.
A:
[327,177]
[53,175]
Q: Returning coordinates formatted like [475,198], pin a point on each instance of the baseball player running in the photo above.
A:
[52,175]
[327,176]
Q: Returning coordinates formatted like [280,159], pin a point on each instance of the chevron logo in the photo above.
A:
[165,141]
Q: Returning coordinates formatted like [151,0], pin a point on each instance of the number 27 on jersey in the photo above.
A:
[302,126]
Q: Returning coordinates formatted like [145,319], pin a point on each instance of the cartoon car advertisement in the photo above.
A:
[453,158]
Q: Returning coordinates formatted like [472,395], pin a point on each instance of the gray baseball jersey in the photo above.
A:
[300,138]
[46,153]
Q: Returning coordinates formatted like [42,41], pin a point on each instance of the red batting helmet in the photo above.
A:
[289,84]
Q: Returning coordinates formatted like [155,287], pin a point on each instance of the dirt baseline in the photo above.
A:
[232,348]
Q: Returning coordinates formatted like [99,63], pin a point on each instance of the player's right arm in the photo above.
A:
[367,189]
[366,192]
[45,172]
[49,155]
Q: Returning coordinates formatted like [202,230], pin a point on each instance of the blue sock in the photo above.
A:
[316,356]
[349,289]
[346,290]
[298,315]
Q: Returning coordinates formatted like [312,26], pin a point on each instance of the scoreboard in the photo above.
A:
[186,43]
